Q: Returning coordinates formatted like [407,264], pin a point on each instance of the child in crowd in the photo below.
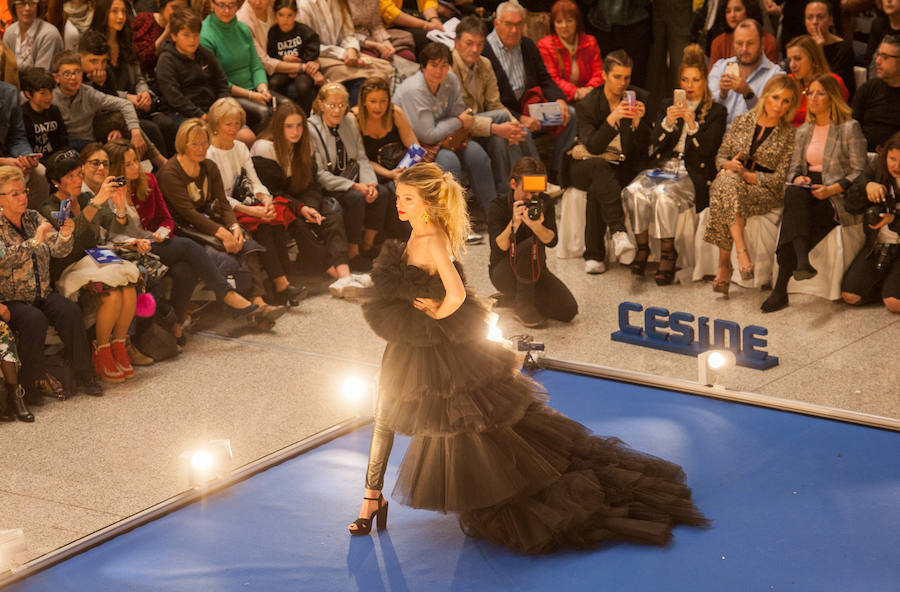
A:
[291,41]
[189,76]
[110,125]
[44,125]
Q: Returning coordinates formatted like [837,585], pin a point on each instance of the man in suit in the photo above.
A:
[521,74]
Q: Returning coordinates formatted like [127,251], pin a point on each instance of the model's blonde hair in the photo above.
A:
[840,110]
[775,85]
[444,199]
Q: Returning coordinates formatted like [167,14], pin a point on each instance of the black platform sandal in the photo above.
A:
[640,259]
[665,275]
[364,525]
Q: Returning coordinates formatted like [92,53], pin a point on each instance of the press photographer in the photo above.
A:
[522,224]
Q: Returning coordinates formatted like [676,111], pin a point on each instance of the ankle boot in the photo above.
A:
[105,366]
[120,355]
[525,311]
[16,401]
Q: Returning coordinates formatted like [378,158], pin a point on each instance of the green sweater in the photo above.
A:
[232,43]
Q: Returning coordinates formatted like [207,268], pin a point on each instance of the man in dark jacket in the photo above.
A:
[522,77]
[617,136]
[189,76]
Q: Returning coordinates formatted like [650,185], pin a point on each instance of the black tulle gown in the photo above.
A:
[485,445]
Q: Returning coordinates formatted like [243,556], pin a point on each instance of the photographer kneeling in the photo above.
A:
[522,224]
[876,270]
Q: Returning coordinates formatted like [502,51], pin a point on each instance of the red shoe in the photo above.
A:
[120,355]
[105,366]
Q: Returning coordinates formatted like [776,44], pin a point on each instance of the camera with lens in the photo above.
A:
[874,211]
[534,184]
[534,208]
[120,181]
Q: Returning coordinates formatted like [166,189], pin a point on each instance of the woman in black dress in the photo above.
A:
[484,443]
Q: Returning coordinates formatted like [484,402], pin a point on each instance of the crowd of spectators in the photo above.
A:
[146,149]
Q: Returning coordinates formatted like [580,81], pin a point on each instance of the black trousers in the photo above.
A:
[188,262]
[804,217]
[863,279]
[275,260]
[603,183]
[301,89]
[551,296]
[257,115]
[321,245]
[30,321]
[358,213]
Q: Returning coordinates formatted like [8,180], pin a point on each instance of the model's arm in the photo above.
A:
[453,284]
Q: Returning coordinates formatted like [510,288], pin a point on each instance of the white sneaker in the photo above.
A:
[363,279]
[593,266]
[623,248]
[354,289]
[337,287]
[553,190]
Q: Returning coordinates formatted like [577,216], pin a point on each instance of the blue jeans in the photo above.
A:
[478,167]
[503,154]
[565,140]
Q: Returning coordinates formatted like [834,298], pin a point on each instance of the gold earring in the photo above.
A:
[426,217]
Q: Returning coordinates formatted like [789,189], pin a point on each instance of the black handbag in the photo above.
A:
[390,155]
[350,169]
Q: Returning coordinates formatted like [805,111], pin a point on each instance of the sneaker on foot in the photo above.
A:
[337,287]
[363,279]
[474,239]
[623,248]
[593,266]
[529,316]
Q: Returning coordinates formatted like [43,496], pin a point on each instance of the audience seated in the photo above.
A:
[518,263]
[571,56]
[838,52]
[614,139]
[752,161]
[193,190]
[33,40]
[136,217]
[625,25]
[44,125]
[345,173]
[393,15]
[829,154]
[295,48]
[503,136]
[188,75]
[13,405]
[232,43]
[114,282]
[374,38]
[251,201]
[339,53]
[686,137]
[886,23]
[124,76]
[876,270]
[283,156]
[876,105]
[523,79]
[25,289]
[14,147]
[739,90]
[729,14]
[387,136]
[150,31]
[807,63]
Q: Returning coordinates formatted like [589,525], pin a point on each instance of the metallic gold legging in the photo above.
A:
[379,450]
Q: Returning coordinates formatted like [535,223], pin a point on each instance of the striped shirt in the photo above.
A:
[512,62]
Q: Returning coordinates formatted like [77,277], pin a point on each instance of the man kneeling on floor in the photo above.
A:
[522,225]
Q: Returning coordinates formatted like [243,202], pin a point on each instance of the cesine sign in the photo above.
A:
[675,332]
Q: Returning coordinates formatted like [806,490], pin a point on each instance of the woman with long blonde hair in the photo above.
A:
[484,444]
[752,163]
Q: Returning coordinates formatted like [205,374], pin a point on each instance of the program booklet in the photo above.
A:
[103,256]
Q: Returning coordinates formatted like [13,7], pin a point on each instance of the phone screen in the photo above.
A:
[680,97]
[65,207]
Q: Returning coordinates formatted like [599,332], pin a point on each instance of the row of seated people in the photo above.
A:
[819,173]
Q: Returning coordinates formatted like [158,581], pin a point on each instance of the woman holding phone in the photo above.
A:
[688,131]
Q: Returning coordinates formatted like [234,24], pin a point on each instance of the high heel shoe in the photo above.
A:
[640,259]
[364,525]
[664,277]
[721,286]
[242,312]
[745,270]
[291,296]
[15,402]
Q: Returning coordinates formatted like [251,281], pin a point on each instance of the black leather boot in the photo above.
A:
[15,400]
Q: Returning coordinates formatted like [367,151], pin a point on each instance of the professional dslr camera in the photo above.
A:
[888,206]
[534,184]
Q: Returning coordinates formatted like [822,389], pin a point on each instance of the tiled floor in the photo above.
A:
[88,462]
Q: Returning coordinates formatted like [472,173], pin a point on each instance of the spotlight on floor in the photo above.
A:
[494,333]
[206,463]
[354,389]
[712,365]
[13,549]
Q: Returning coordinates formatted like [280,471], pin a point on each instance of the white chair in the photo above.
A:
[761,236]
[830,257]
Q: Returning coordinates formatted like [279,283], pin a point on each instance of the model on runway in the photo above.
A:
[484,443]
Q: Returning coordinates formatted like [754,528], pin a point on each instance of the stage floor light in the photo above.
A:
[714,364]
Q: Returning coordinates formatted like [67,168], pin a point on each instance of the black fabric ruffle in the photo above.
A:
[485,445]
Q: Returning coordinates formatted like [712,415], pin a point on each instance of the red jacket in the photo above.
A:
[559,63]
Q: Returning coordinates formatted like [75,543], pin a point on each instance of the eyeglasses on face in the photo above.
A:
[26,3]
[886,56]
[98,164]
[335,105]
[226,5]
[71,73]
